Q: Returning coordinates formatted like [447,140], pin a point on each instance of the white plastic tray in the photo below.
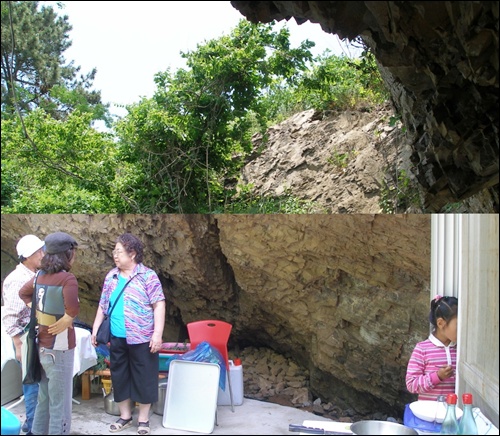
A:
[191,398]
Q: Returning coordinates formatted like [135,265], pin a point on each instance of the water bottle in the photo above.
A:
[450,423]
[467,423]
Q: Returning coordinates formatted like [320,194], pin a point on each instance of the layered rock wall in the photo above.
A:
[345,296]
[339,162]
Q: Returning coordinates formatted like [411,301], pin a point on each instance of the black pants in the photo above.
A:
[134,371]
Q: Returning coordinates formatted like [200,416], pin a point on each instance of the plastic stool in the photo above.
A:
[10,422]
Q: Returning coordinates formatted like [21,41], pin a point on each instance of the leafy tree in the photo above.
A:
[60,167]
[33,70]
[180,145]
[332,82]
[52,159]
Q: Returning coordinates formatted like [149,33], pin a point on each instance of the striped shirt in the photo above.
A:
[16,315]
[425,361]
[143,290]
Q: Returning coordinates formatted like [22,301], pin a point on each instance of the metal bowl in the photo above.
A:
[381,428]
[110,405]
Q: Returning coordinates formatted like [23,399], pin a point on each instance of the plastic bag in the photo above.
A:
[204,352]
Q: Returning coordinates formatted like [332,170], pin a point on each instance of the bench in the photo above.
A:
[86,380]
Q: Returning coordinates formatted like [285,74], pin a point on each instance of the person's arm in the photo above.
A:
[159,323]
[26,292]
[417,380]
[66,322]
[16,339]
[102,305]
[99,318]
[14,313]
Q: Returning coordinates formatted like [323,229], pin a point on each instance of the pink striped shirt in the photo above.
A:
[425,361]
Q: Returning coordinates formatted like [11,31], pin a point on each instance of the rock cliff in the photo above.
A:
[345,296]
[341,162]
[353,161]
[439,61]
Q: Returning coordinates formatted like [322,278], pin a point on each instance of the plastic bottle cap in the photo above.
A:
[237,362]
[467,398]
[452,399]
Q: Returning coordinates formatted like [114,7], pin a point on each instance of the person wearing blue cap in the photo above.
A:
[16,315]
[57,303]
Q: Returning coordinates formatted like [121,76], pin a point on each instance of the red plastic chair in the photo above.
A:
[216,333]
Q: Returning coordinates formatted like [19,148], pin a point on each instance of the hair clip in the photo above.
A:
[438,297]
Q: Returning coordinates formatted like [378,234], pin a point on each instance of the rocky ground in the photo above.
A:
[269,376]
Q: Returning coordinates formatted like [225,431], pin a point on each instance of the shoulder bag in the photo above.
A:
[103,335]
[31,366]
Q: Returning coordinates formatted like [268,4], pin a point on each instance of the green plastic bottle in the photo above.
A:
[450,423]
[467,424]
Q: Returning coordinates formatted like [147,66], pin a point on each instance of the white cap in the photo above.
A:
[28,244]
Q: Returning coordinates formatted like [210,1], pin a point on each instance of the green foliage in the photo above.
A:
[457,207]
[395,120]
[245,202]
[182,142]
[340,160]
[333,82]
[56,167]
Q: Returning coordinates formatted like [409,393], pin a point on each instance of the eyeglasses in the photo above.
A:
[118,252]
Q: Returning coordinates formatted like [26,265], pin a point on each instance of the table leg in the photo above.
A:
[86,381]
[86,386]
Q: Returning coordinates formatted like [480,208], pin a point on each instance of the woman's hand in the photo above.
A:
[155,343]
[62,324]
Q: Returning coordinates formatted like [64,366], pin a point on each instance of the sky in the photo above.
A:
[129,42]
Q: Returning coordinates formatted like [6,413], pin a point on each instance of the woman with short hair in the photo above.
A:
[137,323]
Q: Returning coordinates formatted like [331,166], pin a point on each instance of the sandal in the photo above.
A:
[143,428]
[120,425]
